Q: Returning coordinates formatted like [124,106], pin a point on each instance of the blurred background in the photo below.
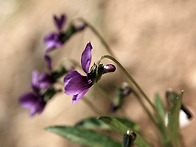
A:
[154,40]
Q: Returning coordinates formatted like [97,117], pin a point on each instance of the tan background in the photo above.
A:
[154,40]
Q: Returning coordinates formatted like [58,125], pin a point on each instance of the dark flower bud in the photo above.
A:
[172,96]
[113,107]
[128,139]
[109,68]
[126,89]
[80,27]
[122,92]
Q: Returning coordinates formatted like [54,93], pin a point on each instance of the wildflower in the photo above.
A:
[76,84]
[57,39]
[33,100]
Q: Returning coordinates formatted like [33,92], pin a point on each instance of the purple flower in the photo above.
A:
[53,40]
[76,84]
[32,101]
[35,100]
[45,80]
[60,22]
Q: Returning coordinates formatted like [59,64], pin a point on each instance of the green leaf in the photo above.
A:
[121,125]
[159,106]
[84,136]
[92,123]
[173,118]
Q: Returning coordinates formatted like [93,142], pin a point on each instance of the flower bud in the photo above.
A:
[109,68]
[122,92]
[80,27]
[172,96]
[128,139]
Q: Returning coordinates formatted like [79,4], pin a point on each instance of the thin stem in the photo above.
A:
[97,34]
[142,92]
[130,78]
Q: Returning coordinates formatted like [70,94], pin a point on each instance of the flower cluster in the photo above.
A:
[42,90]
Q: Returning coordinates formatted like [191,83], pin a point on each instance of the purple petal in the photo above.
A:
[76,83]
[38,108]
[69,75]
[77,97]
[28,100]
[59,22]
[35,76]
[86,58]
[80,27]
[48,61]
[109,68]
[53,41]
[45,80]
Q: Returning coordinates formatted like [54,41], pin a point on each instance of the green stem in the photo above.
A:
[130,78]
[142,92]
[97,34]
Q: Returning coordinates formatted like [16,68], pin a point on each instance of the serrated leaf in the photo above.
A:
[84,136]
[173,118]
[92,123]
[122,125]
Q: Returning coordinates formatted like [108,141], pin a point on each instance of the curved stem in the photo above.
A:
[130,78]
[142,92]
[97,34]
